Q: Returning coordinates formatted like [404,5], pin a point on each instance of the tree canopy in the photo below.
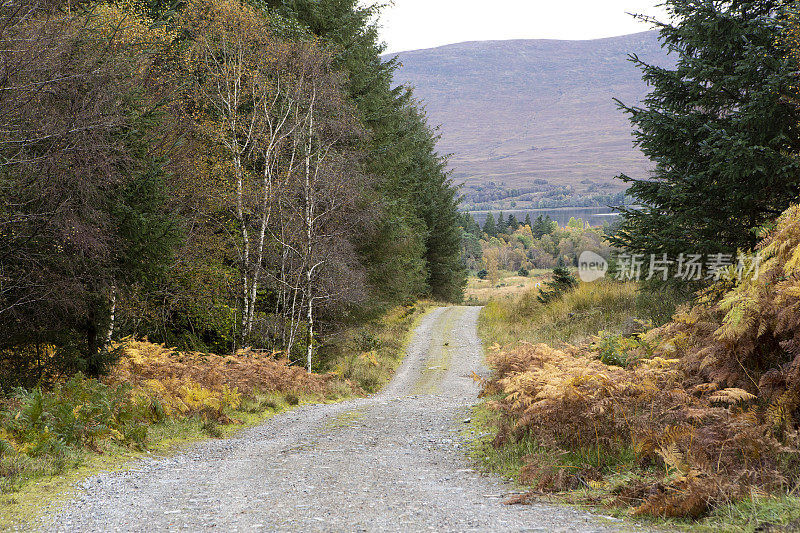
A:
[213,174]
[719,130]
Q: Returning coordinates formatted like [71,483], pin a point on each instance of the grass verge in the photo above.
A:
[592,307]
[369,355]
[41,482]
[362,360]
[603,470]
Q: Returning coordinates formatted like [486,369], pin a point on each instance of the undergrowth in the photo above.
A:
[573,318]
[368,355]
[46,432]
[696,422]
[155,398]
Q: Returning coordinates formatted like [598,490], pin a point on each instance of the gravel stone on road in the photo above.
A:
[391,462]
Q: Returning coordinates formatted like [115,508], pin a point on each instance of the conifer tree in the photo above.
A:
[528,221]
[468,224]
[413,190]
[542,226]
[413,187]
[489,227]
[563,281]
[502,224]
[474,228]
[718,130]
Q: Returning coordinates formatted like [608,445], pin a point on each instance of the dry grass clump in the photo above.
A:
[191,382]
[696,446]
[246,371]
[576,316]
[705,409]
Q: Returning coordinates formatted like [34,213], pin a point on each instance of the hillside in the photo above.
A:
[537,116]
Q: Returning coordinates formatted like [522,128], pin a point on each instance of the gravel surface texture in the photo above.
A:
[391,462]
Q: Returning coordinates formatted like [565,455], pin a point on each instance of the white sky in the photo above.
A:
[415,24]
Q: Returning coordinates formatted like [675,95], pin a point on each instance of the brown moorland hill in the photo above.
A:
[537,116]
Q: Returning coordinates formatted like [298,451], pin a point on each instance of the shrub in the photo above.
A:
[615,349]
[149,384]
[563,281]
[292,399]
[610,351]
[79,412]
[709,404]
[483,274]
[146,363]
[709,444]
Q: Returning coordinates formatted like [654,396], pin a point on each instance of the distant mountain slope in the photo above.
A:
[535,115]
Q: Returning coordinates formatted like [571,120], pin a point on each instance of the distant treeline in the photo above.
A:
[507,243]
[542,195]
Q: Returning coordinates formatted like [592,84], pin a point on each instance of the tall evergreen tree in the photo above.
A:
[489,226]
[543,226]
[468,224]
[413,188]
[502,224]
[718,130]
[528,220]
[563,281]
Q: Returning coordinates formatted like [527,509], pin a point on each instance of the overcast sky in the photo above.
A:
[414,24]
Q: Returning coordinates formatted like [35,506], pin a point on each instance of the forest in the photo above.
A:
[213,211]
[215,175]
[513,245]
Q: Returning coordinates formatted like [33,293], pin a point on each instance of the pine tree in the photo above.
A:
[489,227]
[550,225]
[718,129]
[528,221]
[472,224]
[563,281]
[512,223]
[502,224]
[542,226]
[413,187]
[468,224]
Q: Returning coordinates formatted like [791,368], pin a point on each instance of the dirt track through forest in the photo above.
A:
[391,462]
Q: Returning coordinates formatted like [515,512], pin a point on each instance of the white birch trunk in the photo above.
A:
[112,317]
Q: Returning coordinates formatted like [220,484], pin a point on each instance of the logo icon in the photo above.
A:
[591,267]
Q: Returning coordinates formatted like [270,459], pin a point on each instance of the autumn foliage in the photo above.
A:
[150,384]
[708,405]
[188,382]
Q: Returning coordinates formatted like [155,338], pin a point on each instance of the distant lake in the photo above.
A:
[596,216]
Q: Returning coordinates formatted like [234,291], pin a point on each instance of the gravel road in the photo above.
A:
[391,462]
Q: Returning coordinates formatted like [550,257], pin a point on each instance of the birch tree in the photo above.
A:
[283,134]
[242,81]
[324,202]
